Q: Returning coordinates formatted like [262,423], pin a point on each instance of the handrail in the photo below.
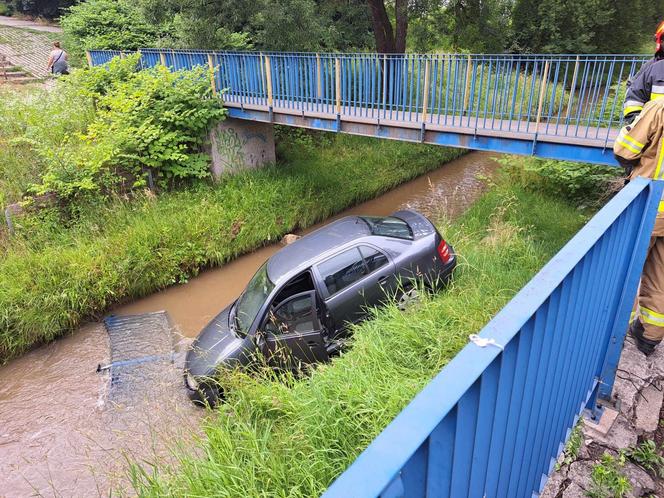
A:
[493,421]
[572,102]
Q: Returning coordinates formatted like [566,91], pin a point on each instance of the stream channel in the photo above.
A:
[61,434]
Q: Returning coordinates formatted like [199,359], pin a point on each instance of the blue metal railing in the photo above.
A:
[564,96]
[493,421]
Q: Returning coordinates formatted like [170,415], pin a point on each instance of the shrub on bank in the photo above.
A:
[584,185]
[294,438]
[103,129]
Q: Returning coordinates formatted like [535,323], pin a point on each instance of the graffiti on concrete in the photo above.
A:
[231,149]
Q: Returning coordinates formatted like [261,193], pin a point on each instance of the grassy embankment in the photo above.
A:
[272,439]
[56,273]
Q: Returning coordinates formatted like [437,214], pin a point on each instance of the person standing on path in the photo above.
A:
[639,148]
[57,60]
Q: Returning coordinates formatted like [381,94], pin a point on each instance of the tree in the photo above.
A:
[389,40]
[592,26]
[49,9]
[107,24]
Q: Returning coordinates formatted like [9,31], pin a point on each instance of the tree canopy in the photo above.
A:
[391,26]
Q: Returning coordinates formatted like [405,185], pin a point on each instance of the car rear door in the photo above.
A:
[293,333]
[352,286]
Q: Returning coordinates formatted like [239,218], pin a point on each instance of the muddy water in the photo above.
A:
[60,435]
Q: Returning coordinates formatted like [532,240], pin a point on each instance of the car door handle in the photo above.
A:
[383,280]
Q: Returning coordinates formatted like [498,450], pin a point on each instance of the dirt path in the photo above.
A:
[22,23]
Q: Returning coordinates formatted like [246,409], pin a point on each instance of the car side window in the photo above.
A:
[342,270]
[373,258]
[295,315]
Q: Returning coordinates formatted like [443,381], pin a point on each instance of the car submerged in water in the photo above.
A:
[297,308]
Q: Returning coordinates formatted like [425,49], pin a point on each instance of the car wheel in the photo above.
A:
[206,395]
[407,298]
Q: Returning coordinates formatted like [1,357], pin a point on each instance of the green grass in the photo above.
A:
[55,273]
[276,439]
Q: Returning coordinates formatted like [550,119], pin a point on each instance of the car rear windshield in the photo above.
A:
[388,226]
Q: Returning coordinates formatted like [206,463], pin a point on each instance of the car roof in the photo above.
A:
[310,248]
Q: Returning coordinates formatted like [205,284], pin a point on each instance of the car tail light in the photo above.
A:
[444,252]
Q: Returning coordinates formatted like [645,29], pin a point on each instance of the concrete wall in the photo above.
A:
[239,144]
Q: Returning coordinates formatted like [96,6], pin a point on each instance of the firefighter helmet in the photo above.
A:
[659,37]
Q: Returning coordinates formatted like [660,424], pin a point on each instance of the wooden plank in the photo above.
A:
[573,87]
[337,71]
[268,75]
[469,72]
[88,57]
[213,71]
[319,78]
[545,77]
[427,84]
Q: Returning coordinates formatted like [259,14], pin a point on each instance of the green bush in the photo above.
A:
[585,185]
[33,121]
[107,24]
[6,9]
[152,120]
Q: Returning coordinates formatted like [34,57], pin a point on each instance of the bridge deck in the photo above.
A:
[550,130]
[565,139]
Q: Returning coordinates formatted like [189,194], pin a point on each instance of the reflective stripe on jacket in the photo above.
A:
[647,85]
[643,143]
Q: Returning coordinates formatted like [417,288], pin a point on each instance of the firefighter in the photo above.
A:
[640,149]
[648,84]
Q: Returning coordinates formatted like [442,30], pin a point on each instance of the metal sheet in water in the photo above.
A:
[141,353]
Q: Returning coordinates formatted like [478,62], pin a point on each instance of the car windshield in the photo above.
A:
[388,226]
[252,299]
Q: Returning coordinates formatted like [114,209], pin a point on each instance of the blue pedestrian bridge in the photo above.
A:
[566,107]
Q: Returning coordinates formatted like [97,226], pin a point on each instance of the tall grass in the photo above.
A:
[57,272]
[277,439]
[31,116]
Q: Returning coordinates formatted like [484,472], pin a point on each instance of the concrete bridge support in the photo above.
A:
[239,144]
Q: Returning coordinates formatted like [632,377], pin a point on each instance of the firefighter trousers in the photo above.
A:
[651,293]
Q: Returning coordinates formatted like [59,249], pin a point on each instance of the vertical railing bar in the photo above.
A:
[337,69]
[582,95]
[554,91]
[563,87]
[573,93]
[613,108]
[486,92]
[531,95]
[471,91]
[605,98]
[447,86]
[494,100]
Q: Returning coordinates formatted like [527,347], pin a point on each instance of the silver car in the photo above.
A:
[296,309]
